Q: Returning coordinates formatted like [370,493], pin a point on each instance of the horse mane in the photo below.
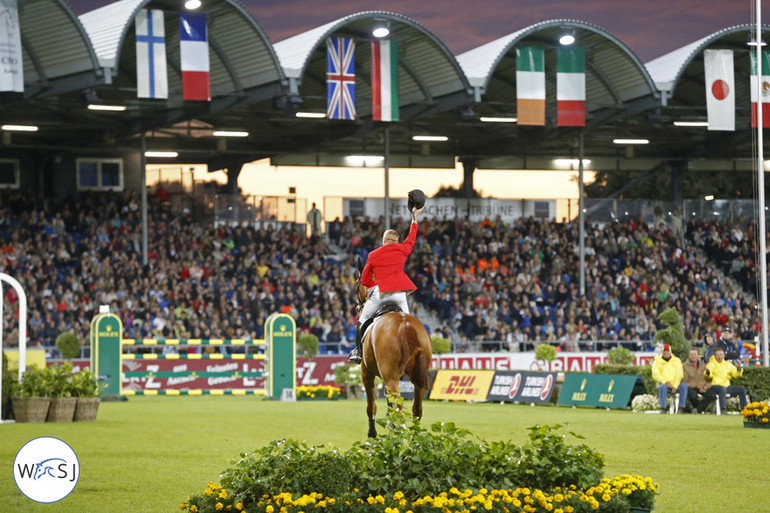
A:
[412,355]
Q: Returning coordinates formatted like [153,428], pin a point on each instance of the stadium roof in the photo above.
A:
[258,87]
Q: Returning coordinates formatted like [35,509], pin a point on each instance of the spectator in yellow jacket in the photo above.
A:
[719,371]
[667,372]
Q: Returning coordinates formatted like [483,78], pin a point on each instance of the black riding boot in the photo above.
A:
[355,354]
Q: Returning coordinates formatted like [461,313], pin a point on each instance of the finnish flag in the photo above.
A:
[151,78]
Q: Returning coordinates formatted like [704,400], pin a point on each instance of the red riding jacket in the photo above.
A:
[385,266]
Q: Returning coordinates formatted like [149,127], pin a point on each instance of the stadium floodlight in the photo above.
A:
[710,197]
[364,160]
[19,128]
[230,133]
[631,141]
[311,115]
[494,119]
[110,108]
[430,138]
[753,42]
[161,154]
[381,31]
[570,162]
[691,123]
[567,38]
[191,5]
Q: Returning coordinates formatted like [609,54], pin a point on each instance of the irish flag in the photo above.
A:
[764,89]
[384,80]
[530,85]
[570,87]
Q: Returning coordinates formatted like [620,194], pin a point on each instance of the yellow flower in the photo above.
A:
[239,507]
[219,506]
[194,508]
[765,420]
[223,494]
[183,506]
[269,508]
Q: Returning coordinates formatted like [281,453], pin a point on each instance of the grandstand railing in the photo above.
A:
[602,210]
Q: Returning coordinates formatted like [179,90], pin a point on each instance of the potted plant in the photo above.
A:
[86,387]
[620,356]
[58,380]
[757,415]
[439,346]
[308,345]
[349,376]
[68,346]
[29,398]
[545,353]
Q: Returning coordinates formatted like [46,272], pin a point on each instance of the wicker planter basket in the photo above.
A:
[62,409]
[31,409]
[87,409]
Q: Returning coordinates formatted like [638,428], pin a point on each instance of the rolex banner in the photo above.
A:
[11,65]
[530,85]
[603,390]
[763,98]
[570,87]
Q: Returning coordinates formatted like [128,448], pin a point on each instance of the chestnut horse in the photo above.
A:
[397,344]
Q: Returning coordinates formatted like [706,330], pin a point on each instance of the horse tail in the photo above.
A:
[412,355]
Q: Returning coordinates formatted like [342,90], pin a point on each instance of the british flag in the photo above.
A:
[340,78]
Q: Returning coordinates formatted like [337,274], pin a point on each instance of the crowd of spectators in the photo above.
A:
[486,283]
[519,282]
[201,281]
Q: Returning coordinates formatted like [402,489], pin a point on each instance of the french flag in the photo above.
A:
[194,56]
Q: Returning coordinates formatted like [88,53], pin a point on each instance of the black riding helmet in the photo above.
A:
[416,199]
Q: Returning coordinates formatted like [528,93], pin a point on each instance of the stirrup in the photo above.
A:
[355,356]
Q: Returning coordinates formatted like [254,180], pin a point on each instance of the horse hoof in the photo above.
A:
[372,434]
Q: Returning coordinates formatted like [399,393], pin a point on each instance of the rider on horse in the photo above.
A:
[384,273]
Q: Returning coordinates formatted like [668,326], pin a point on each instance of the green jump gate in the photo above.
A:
[126,372]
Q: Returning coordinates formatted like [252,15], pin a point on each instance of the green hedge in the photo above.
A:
[757,382]
[645,371]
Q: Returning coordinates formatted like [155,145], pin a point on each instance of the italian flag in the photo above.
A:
[530,85]
[570,87]
[765,89]
[384,80]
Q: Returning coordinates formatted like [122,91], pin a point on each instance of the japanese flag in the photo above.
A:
[720,89]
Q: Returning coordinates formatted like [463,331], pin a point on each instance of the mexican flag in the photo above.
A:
[570,87]
[764,87]
[384,80]
[530,85]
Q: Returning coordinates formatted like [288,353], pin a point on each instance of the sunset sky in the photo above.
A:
[649,27]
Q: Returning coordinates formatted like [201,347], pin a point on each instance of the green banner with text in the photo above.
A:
[603,390]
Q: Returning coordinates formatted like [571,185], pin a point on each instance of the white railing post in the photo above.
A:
[22,323]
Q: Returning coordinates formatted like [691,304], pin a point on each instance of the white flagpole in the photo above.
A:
[761,187]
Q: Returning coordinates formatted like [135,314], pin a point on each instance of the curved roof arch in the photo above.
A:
[241,55]
[427,69]
[47,58]
[668,69]
[616,68]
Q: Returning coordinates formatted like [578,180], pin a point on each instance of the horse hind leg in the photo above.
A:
[417,404]
[371,406]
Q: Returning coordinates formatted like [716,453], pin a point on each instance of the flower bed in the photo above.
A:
[411,468]
[757,414]
[324,392]
[616,494]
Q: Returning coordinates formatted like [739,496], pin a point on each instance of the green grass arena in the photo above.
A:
[150,453]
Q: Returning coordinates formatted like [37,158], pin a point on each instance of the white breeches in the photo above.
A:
[376,300]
